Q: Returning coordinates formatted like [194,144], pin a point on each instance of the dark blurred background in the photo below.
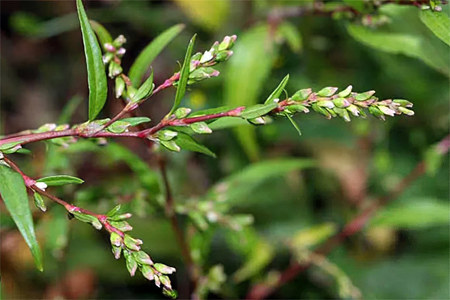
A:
[401,254]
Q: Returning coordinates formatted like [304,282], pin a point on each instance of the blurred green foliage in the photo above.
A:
[263,172]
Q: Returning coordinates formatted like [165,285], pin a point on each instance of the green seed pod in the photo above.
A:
[39,202]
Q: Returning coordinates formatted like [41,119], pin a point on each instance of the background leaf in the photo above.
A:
[150,52]
[438,23]
[246,73]
[14,195]
[98,88]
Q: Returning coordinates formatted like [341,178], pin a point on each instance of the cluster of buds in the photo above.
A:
[112,58]
[168,138]
[201,63]
[135,257]
[343,104]
[114,52]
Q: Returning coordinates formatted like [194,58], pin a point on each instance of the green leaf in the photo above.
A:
[103,35]
[246,75]
[414,214]
[277,92]
[258,110]
[98,88]
[240,184]
[292,36]
[438,23]
[186,142]
[211,111]
[56,231]
[69,109]
[228,122]
[9,145]
[113,211]
[14,195]
[412,45]
[60,180]
[294,124]
[133,121]
[210,15]
[145,90]
[146,57]
[184,76]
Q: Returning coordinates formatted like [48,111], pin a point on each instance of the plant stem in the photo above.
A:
[179,235]
[31,185]
[262,291]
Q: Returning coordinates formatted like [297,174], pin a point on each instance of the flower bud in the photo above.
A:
[109,47]
[131,263]
[406,111]
[403,102]
[143,258]
[131,243]
[121,52]
[41,185]
[107,57]
[257,121]
[163,268]
[119,41]
[114,69]
[301,95]
[120,86]
[345,93]
[97,225]
[171,145]
[227,43]
[353,110]
[39,202]
[122,225]
[341,102]
[364,96]
[182,112]
[170,293]
[386,110]
[325,103]
[116,240]
[165,281]
[167,135]
[116,251]
[327,92]
[207,56]
[200,127]
[148,272]
[376,112]
[223,55]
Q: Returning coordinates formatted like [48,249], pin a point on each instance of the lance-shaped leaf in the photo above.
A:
[144,90]
[95,68]
[438,23]
[60,180]
[277,92]
[186,142]
[14,195]
[184,76]
[258,110]
[103,35]
[146,57]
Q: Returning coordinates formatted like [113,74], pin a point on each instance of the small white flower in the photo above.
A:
[207,56]
[41,185]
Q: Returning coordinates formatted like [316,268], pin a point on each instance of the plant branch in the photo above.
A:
[262,291]
[31,185]
[318,9]
[171,215]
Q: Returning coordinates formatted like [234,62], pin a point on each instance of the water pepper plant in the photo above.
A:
[174,132]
